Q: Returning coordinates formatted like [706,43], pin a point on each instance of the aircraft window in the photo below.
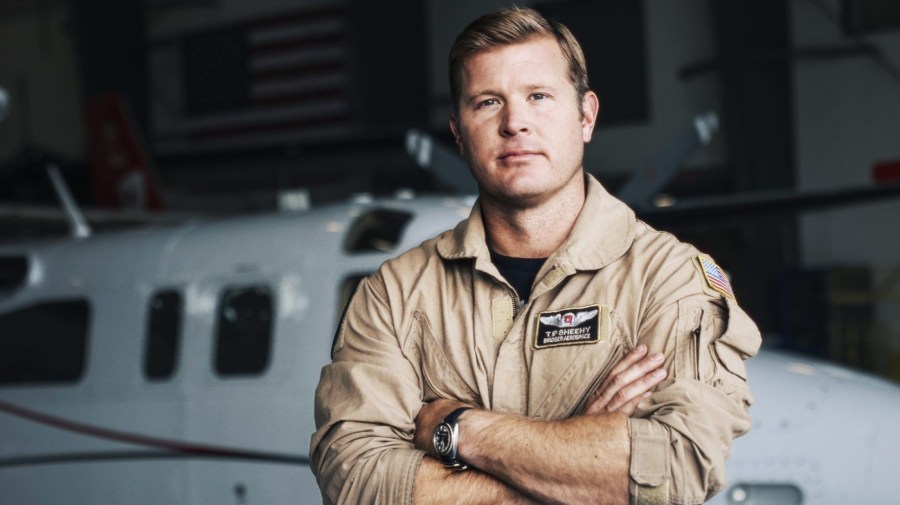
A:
[13,272]
[376,231]
[45,342]
[244,330]
[163,334]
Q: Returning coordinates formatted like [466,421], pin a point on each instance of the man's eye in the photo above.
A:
[486,103]
[538,96]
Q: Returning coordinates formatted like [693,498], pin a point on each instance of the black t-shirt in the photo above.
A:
[519,272]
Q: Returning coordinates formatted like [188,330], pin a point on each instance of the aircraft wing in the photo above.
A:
[655,174]
[18,221]
[704,210]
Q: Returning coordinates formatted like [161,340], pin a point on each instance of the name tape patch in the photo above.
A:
[572,326]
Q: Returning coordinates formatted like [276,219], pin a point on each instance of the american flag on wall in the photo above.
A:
[264,82]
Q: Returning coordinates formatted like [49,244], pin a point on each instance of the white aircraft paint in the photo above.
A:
[822,434]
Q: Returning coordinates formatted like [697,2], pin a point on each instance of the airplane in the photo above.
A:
[178,363]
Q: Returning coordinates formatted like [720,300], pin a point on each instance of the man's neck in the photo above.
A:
[533,231]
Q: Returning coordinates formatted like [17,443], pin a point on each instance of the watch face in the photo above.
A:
[441,439]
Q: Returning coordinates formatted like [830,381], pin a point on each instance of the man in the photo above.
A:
[524,343]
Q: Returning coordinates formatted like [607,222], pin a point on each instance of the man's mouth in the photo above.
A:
[517,154]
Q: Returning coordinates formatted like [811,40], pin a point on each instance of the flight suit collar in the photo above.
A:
[467,239]
[603,232]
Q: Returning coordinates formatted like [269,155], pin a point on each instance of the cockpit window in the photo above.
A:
[244,330]
[44,342]
[163,334]
[376,231]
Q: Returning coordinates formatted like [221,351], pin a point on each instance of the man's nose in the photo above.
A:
[516,119]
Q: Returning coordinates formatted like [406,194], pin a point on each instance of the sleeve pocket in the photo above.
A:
[740,341]
[730,359]
[699,325]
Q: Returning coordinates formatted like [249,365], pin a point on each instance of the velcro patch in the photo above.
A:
[715,277]
[572,326]
[502,316]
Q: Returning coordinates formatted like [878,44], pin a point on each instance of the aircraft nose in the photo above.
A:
[886,458]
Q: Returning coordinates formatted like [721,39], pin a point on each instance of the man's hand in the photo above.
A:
[427,420]
[629,382]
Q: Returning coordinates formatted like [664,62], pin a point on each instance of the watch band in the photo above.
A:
[446,440]
[453,417]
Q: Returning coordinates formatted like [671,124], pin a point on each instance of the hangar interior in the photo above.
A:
[240,107]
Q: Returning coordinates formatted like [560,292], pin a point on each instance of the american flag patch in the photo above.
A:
[715,277]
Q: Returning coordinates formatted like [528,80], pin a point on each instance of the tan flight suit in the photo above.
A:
[440,322]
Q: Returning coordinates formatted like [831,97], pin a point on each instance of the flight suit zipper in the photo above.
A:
[514,299]
[516,308]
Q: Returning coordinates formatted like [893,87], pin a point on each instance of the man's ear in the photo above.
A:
[590,106]
[454,127]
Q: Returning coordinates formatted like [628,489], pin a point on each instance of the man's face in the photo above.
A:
[520,125]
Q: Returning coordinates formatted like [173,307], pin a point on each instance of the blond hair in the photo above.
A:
[508,26]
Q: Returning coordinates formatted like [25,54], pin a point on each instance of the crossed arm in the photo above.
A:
[583,459]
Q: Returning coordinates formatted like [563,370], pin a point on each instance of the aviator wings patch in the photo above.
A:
[577,325]
[568,319]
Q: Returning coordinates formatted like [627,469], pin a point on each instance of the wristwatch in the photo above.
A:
[446,440]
